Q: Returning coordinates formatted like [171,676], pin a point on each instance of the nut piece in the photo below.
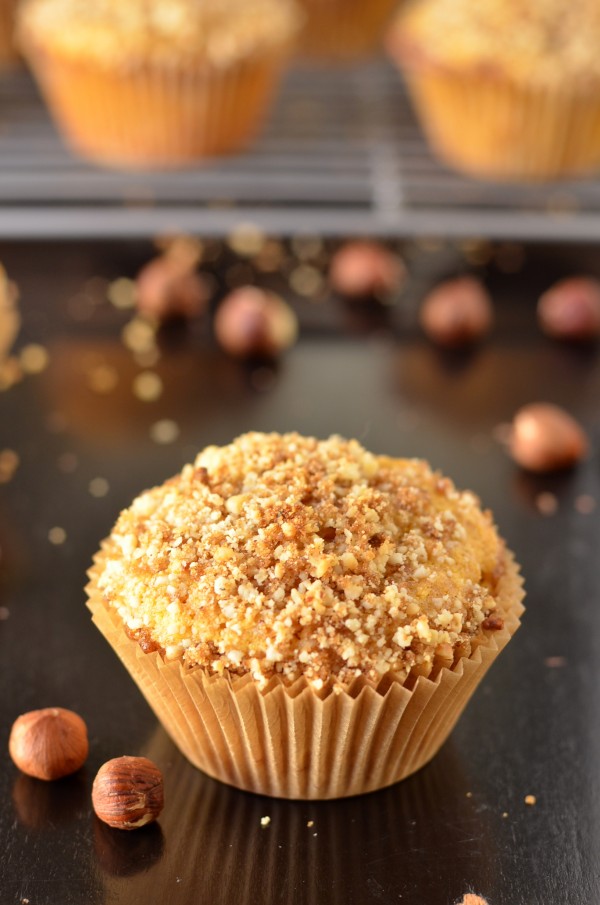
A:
[362,270]
[168,287]
[252,322]
[571,309]
[128,792]
[457,312]
[49,743]
[546,438]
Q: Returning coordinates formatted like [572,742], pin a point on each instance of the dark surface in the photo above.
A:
[459,825]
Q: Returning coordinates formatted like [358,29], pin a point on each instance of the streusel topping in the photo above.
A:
[128,33]
[545,42]
[285,555]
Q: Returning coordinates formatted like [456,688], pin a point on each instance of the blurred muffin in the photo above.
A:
[307,620]
[157,84]
[9,55]
[505,89]
[343,29]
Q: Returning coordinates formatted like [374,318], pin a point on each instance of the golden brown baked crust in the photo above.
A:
[547,42]
[128,33]
[284,555]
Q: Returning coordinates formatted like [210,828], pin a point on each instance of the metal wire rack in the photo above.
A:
[341,155]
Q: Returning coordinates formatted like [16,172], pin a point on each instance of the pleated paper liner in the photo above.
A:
[343,30]
[157,116]
[492,128]
[294,742]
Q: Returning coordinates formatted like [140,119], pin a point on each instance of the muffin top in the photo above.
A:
[129,32]
[546,41]
[288,556]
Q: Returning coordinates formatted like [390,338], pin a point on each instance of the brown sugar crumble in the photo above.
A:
[288,556]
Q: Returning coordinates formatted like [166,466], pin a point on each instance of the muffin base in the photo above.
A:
[343,30]
[294,742]
[492,128]
[151,116]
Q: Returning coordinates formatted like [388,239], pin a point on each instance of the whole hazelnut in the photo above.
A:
[571,309]
[49,743]
[457,312]
[251,322]
[128,792]
[362,270]
[546,438]
[169,287]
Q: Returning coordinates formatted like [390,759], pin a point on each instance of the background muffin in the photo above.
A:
[286,582]
[343,29]
[145,84]
[505,89]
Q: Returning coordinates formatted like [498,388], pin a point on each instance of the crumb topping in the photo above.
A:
[544,42]
[289,556]
[128,33]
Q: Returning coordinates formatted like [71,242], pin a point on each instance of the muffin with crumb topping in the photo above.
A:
[343,30]
[307,619]
[506,89]
[157,84]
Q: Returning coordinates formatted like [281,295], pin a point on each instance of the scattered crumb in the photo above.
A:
[102,379]
[585,504]
[99,487]
[530,799]
[265,821]
[9,462]
[306,280]
[471,899]
[164,431]
[24,901]
[315,834]
[469,794]
[121,293]
[555,662]
[505,813]
[147,386]
[246,240]
[4,613]
[311,823]
[33,358]
[57,535]
[546,503]
[68,462]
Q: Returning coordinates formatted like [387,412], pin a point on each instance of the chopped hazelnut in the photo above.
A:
[457,312]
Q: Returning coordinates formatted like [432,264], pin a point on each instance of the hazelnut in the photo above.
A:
[128,792]
[361,270]
[49,743]
[457,312]
[169,287]
[571,309]
[251,322]
[545,438]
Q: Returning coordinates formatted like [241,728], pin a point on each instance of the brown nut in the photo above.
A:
[571,309]
[169,287]
[457,312]
[546,438]
[128,792]
[362,270]
[49,743]
[251,322]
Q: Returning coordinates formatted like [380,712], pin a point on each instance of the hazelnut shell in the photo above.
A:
[457,312]
[362,270]
[128,792]
[546,438]
[570,309]
[251,322]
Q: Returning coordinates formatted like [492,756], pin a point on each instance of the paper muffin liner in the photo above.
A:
[488,126]
[295,742]
[343,30]
[156,116]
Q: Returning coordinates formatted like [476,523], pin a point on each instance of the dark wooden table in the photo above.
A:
[533,728]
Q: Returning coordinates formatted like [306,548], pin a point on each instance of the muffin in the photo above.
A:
[343,30]
[9,56]
[155,85]
[505,89]
[306,619]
